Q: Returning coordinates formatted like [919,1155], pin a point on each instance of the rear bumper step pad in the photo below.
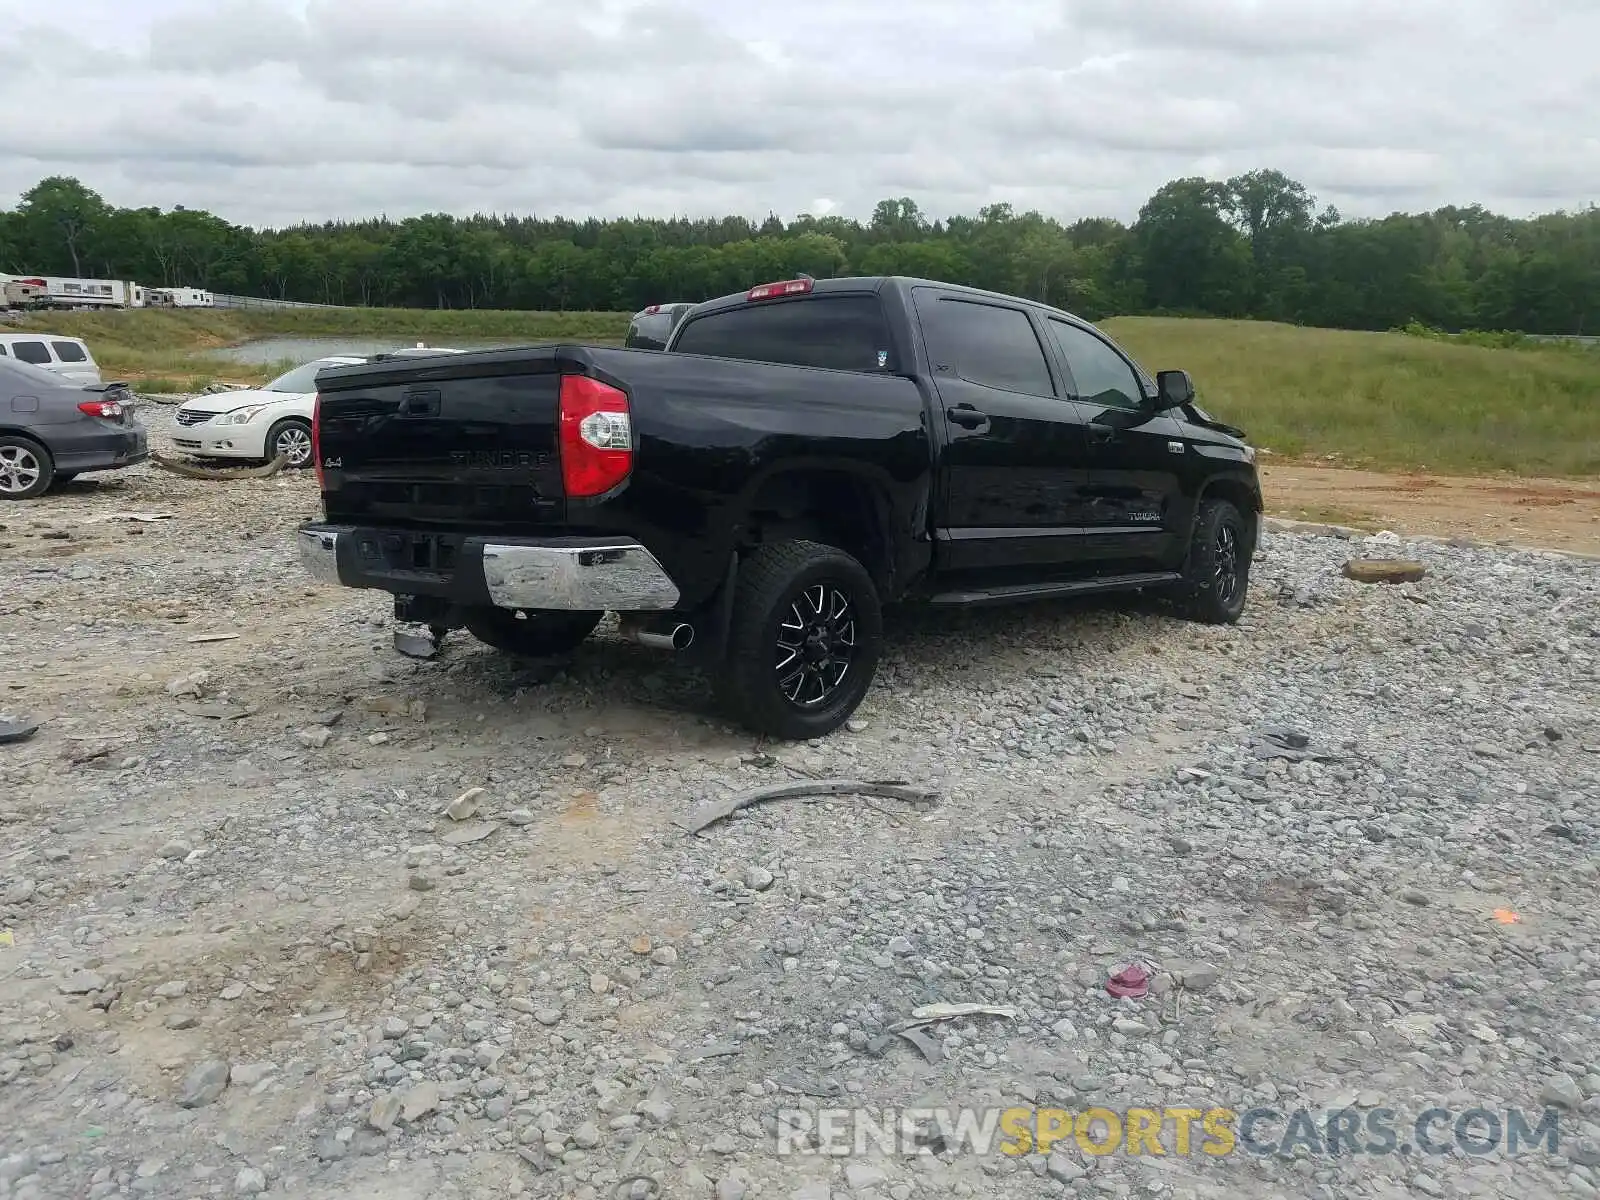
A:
[563,573]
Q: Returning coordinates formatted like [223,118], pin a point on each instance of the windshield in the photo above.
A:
[302,379]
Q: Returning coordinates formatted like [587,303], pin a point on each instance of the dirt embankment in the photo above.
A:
[1552,513]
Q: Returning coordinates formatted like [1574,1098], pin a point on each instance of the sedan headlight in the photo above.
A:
[243,416]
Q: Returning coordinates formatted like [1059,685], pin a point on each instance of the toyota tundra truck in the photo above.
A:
[798,457]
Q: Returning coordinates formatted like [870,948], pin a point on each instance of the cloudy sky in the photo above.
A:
[275,111]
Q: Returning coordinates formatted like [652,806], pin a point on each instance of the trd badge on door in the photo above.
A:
[1175,447]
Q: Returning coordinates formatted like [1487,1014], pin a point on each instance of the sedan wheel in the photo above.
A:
[25,468]
[291,440]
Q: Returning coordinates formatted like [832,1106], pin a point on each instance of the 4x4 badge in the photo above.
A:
[1175,447]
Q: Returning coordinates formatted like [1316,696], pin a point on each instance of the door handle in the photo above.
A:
[967,417]
[1101,433]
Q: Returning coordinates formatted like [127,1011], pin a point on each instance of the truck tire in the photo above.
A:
[804,641]
[26,467]
[1216,573]
[534,633]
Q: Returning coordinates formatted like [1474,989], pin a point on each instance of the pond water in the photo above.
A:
[304,349]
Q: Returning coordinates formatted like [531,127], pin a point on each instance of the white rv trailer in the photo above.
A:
[50,291]
[186,297]
[54,291]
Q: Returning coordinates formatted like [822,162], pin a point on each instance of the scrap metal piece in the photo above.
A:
[17,731]
[416,645]
[931,1049]
[709,812]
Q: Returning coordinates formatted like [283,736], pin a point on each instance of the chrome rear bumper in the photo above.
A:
[588,574]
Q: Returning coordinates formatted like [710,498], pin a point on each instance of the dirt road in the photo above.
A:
[1554,513]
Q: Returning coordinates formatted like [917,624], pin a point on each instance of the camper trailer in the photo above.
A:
[51,291]
[185,297]
[23,293]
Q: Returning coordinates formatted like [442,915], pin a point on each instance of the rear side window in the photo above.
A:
[839,333]
[31,352]
[984,344]
[69,352]
[4,353]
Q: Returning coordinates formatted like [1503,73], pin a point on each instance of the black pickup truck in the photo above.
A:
[651,328]
[799,456]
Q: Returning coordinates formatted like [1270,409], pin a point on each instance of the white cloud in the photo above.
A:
[274,111]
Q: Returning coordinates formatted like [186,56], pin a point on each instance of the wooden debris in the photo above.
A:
[708,813]
[1384,570]
[943,1011]
[216,711]
[189,471]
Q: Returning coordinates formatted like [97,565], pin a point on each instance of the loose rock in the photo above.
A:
[204,1084]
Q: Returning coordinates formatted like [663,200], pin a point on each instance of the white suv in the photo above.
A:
[67,357]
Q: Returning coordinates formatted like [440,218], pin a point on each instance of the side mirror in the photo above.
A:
[1174,389]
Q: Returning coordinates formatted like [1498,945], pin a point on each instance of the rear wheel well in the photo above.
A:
[836,508]
[31,438]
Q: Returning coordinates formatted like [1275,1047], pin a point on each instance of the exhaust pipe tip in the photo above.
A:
[678,637]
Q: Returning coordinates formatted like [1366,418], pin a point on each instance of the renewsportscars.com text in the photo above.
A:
[1158,1132]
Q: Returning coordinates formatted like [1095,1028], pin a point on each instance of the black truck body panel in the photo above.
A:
[987,443]
[706,444]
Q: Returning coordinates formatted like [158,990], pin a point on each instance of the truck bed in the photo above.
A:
[470,444]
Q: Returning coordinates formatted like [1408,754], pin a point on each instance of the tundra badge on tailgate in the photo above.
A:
[500,459]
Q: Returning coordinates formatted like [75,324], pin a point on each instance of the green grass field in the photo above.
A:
[1386,400]
[1380,400]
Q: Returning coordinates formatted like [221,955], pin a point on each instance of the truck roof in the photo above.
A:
[901,284]
[879,283]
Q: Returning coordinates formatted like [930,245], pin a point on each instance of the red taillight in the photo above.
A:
[771,291]
[316,436]
[109,409]
[596,436]
[652,310]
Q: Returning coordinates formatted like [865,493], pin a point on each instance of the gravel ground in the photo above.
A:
[250,953]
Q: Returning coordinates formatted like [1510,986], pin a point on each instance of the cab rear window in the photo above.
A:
[838,333]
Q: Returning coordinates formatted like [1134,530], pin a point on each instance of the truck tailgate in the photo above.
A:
[466,441]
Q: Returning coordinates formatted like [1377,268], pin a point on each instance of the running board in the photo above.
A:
[1014,593]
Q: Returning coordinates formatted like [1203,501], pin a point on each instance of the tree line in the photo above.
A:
[1255,245]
